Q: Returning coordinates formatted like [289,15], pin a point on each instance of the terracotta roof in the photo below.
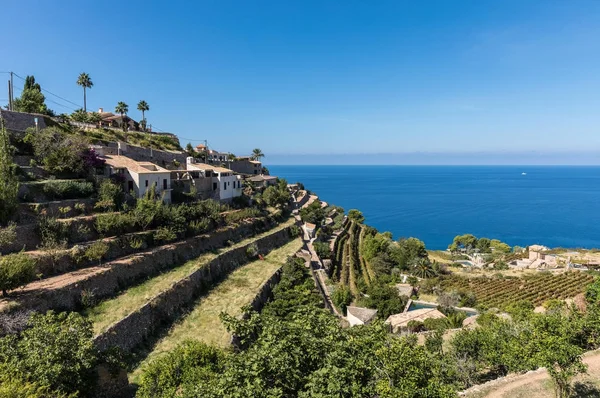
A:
[124,162]
[364,314]
[404,289]
[262,178]
[401,320]
[204,166]
[310,225]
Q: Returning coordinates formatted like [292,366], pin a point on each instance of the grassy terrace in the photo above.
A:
[110,311]
[237,290]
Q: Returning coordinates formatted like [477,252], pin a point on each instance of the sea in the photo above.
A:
[556,206]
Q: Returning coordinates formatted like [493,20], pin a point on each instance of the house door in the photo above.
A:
[129,186]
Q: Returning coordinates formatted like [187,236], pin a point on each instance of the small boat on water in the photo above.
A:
[523,174]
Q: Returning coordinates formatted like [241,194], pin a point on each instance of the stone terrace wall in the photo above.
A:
[28,238]
[139,325]
[124,272]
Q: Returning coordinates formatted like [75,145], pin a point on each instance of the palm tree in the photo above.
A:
[423,269]
[84,81]
[143,107]
[257,154]
[122,108]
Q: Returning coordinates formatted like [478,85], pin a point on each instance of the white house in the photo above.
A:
[140,176]
[228,184]
[360,315]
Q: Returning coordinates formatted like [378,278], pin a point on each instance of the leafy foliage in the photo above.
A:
[323,250]
[10,184]
[55,352]
[313,213]
[16,270]
[59,152]
[277,195]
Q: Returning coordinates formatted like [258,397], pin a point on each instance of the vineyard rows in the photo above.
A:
[492,292]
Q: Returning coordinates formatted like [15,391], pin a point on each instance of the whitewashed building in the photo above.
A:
[139,177]
[228,184]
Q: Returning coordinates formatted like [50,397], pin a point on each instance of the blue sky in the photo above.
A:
[438,78]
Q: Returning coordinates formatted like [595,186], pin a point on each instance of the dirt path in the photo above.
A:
[507,389]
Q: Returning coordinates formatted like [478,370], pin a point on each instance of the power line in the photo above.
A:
[57,96]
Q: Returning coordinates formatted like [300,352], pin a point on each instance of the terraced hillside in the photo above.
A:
[238,289]
[348,264]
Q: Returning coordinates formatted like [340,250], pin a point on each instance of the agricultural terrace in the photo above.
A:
[538,288]
[236,291]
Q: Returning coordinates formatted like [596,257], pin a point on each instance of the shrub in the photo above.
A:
[323,250]
[68,189]
[64,210]
[164,234]
[198,226]
[295,231]
[52,232]
[240,215]
[342,297]
[59,152]
[56,351]
[192,363]
[434,324]
[110,196]
[252,251]
[8,234]
[96,251]
[16,270]
[136,243]
[114,223]
[80,208]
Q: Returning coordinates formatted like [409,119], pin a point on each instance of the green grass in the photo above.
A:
[236,291]
[110,311]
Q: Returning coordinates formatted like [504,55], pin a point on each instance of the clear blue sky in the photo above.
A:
[325,77]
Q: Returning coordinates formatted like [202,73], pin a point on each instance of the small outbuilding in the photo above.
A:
[399,322]
[360,315]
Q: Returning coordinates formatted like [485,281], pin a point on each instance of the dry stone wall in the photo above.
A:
[116,275]
[135,328]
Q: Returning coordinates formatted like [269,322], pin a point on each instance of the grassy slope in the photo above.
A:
[237,290]
[110,311]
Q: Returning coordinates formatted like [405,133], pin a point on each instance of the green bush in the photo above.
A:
[164,234]
[8,234]
[240,215]
[110,196]
[252,251]
[96,251]
[16,270]
[55,351]
[323,250]
[192,364]
[114,223]
[68,189]
[342,297]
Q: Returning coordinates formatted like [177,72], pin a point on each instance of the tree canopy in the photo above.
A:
[31,100]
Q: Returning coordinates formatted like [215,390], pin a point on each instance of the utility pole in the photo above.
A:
[12,92]
[9,97]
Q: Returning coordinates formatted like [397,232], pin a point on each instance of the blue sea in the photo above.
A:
[550,205]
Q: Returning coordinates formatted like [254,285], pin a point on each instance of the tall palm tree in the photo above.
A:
[122,108]
[84,80]
[143,106]
[257,154]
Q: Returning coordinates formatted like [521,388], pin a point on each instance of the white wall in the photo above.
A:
[140,186]
[229,186]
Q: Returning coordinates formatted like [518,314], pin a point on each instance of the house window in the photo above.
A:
[214,186]
[146,183]
[129,186]
[224,186]
[165,183]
